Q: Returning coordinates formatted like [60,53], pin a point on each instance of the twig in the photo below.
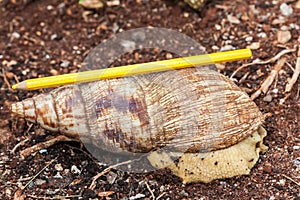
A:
[151,192]
[105,171]
[287,177]
[269,80]
[294,78]
[61,138]
[56,197]
[271,60]
[22,142]
[38,173]
[160,196]
[6,81]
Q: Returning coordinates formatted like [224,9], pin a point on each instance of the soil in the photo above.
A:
[42,38]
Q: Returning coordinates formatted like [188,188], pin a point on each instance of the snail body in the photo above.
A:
[191,111]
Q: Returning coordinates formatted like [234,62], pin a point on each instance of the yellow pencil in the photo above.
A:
[129,70]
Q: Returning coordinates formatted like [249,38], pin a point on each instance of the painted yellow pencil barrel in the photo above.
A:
[135,69]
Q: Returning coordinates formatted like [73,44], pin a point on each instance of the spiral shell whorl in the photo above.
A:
[188,110]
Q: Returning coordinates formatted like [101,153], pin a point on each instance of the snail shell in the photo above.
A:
[188,110]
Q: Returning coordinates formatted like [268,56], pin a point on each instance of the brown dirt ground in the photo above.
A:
[37,36]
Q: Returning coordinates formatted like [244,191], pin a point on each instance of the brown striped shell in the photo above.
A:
[188,110]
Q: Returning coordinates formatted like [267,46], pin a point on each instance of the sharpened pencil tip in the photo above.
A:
[20,86]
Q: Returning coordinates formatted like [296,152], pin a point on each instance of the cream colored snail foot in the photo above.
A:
[206,167]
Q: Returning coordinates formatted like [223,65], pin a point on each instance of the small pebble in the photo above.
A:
[297,162]
[283,36]
[254,45]
[262,35]
[286,10]
[227,48]
[267,98]
[49,7]
[137,196]
[249,39]
[15,35]
[58,167]
[296,147]
[233,19]
[58,175]
[65,63]
[75,170]
[218,27]
[53,72]
[169,56]
[113,3]
[42,151]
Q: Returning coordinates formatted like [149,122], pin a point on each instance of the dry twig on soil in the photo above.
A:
[271,60]
[61,138]
[269,80]
[294,78]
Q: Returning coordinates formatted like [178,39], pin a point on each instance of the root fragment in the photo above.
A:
[268,82]
[294,78]
[271,60]
[61,138]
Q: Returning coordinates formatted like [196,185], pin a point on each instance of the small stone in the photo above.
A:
[281,182]
[53,72]
[42,151]
[58,167]
[15,35]
[249,39]
[254,45]
[283,36]
[58,175]
[296,147]
[267,98]
[11,63]
[218,27]
[227,48]
[113,3]
[297,162]
[50,7]
[232,19]
[186,14]
[286,10]
[65,63]
[262,35]
[280,20]
[137,196]
[169,56]
[75,170]
[38,33]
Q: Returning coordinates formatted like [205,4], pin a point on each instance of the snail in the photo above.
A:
[196,114]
